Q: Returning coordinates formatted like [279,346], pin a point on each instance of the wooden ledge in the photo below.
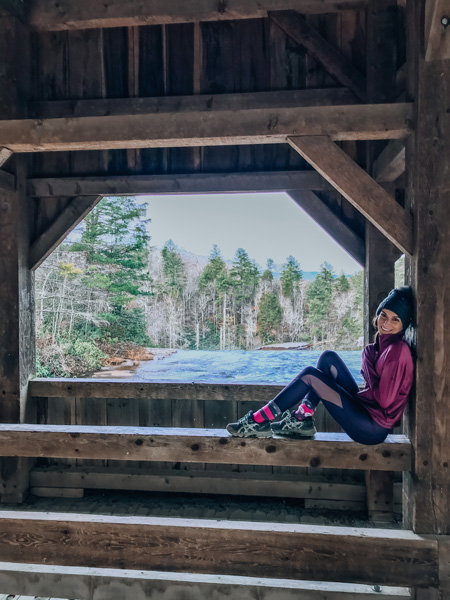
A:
[150,390]
[85,583]
[321,553]
[326,450]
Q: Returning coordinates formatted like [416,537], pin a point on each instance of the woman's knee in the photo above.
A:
[326,358]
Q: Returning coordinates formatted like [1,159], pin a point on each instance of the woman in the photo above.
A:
[367,416]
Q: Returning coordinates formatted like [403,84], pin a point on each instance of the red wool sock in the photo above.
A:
[303,411]
[263,414]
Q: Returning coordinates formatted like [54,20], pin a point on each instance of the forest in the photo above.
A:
[106,287]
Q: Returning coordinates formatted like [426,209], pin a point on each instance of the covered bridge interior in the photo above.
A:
[343,104]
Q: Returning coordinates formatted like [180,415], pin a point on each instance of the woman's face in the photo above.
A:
[388,322]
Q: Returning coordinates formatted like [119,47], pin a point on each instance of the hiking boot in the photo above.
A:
[248,427]
[290,426]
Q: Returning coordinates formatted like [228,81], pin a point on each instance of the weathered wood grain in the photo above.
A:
[157,390]
[5,154]
[86,583]
[252,126]
[437,34]
[326,450]
[359,188]
[177,183]
[60,228]
[216,547]
[331,223]
[197,481]
[45,15]
[298,29]
[390,163]
[428,162]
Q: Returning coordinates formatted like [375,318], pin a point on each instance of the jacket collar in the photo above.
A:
[386,340]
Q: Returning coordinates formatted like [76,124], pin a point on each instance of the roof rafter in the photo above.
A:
[60,228]
[331,223]
[358,188]
[296,27]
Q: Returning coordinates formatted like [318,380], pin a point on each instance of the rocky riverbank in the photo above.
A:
[121,363]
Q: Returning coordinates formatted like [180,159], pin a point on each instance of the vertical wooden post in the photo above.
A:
[17,360]
[426,490]
[381,254]
[428,164]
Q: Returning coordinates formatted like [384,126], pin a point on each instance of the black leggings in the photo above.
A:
[332,383]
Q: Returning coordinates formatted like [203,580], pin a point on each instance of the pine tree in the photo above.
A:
[244,277]
[115,242]
[319,297]
[290,275]
[269,318]
[268,273]
[173,269]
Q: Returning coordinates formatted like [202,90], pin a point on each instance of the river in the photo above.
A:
[237,366]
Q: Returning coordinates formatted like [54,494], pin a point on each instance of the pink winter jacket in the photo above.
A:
[388,371]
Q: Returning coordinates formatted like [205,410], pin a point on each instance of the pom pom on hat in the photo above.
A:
[399,301]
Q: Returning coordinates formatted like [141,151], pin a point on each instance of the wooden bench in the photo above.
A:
[310,552]
[86,583]
[326,450]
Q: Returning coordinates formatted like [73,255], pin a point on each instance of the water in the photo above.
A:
[238,366]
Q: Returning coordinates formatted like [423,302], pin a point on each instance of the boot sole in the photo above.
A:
[253,435]
[297,436]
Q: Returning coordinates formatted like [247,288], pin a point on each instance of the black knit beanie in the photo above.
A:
[399,301]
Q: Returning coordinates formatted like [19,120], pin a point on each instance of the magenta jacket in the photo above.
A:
[388,371]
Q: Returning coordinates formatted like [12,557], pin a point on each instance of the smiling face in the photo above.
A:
[388,322]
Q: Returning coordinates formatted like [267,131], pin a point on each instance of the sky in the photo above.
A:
[266,225]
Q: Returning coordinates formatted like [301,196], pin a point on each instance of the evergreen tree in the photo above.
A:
[290,275]
[269,318]
[244,277]
[342,283]
[268,273]
[173,269]
[115,244]
[319,296]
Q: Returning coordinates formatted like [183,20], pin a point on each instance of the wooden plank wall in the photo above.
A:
[170,60]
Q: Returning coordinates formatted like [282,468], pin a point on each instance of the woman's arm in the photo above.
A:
[396,377]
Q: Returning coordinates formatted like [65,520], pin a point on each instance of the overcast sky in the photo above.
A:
[266,225]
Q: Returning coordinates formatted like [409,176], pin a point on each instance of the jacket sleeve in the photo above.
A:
[392,376]
[368,368]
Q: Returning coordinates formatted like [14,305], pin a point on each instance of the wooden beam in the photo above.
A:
[331,223]
[158,390]
[297,28]
[5,154]
[327,450]
[372,556]
[46,15]
[7,181]
[437,31]
[193,183]
[86,583]
[252,126]
[358,187]
[390,164]
[14,8]
[428,165]
[63,109]
[57,231]
[196,481]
